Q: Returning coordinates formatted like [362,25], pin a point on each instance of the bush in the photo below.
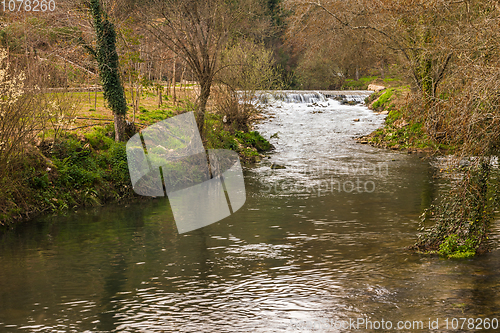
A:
[98,140]
[461,219]
[20,115]
[235,114]
[119,173]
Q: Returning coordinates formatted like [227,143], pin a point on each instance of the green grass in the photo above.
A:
[87,167]
[154,116]
[412,136]
[391,79]
[383,100]
[361,84]
[249,145]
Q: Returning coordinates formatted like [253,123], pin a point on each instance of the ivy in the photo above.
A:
[107,59]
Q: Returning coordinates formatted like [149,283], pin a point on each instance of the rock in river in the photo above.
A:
[277,166]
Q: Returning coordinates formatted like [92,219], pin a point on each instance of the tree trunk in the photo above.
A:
[90,95]
[426,77]
[149,70]
[160,90]
[168,87]
[131,93]
[160,86]
[205,86]
[119,120]
[182,78]
[138,94]
[174,97]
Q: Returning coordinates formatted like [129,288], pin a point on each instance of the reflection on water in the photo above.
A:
[291,253]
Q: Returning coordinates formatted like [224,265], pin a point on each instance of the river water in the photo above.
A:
[317,247]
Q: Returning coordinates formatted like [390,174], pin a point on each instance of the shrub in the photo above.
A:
[20,115]
[98,140]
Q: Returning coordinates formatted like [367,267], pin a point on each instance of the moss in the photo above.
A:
[373,97]
[253,139]
[451,248]
[98,140]
[400,132]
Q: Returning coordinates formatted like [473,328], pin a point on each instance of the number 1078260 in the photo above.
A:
[28,5]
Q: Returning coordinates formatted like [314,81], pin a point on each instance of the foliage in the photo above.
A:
[460,221]
[253,139]
[153,116]
[72,172]
[317,69]
[451,248]
[198,32]
[402,131]
[361,84]
[60,113]
[166,111]
[235,113]
[330,50]
[248,66]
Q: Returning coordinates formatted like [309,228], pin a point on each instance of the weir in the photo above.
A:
[312,96]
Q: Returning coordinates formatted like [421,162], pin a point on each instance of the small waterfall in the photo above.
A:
[300,97]
[296,96]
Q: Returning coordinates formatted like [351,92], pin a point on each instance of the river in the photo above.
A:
[317,247]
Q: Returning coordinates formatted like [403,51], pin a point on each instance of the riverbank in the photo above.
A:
[400,131]
[86,167]
[457,224]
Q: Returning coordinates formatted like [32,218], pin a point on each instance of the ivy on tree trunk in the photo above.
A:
[107,60]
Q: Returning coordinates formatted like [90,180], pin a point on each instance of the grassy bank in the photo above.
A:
[401,131]
[72,171]
[83,166]
[393,78]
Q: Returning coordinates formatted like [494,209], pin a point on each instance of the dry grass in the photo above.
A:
[92,110]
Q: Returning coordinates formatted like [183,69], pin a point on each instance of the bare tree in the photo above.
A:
[416,29]
[197,31]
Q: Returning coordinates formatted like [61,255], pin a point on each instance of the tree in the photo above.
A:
[107,59]
[198,30]
[246,68]
[416,29]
